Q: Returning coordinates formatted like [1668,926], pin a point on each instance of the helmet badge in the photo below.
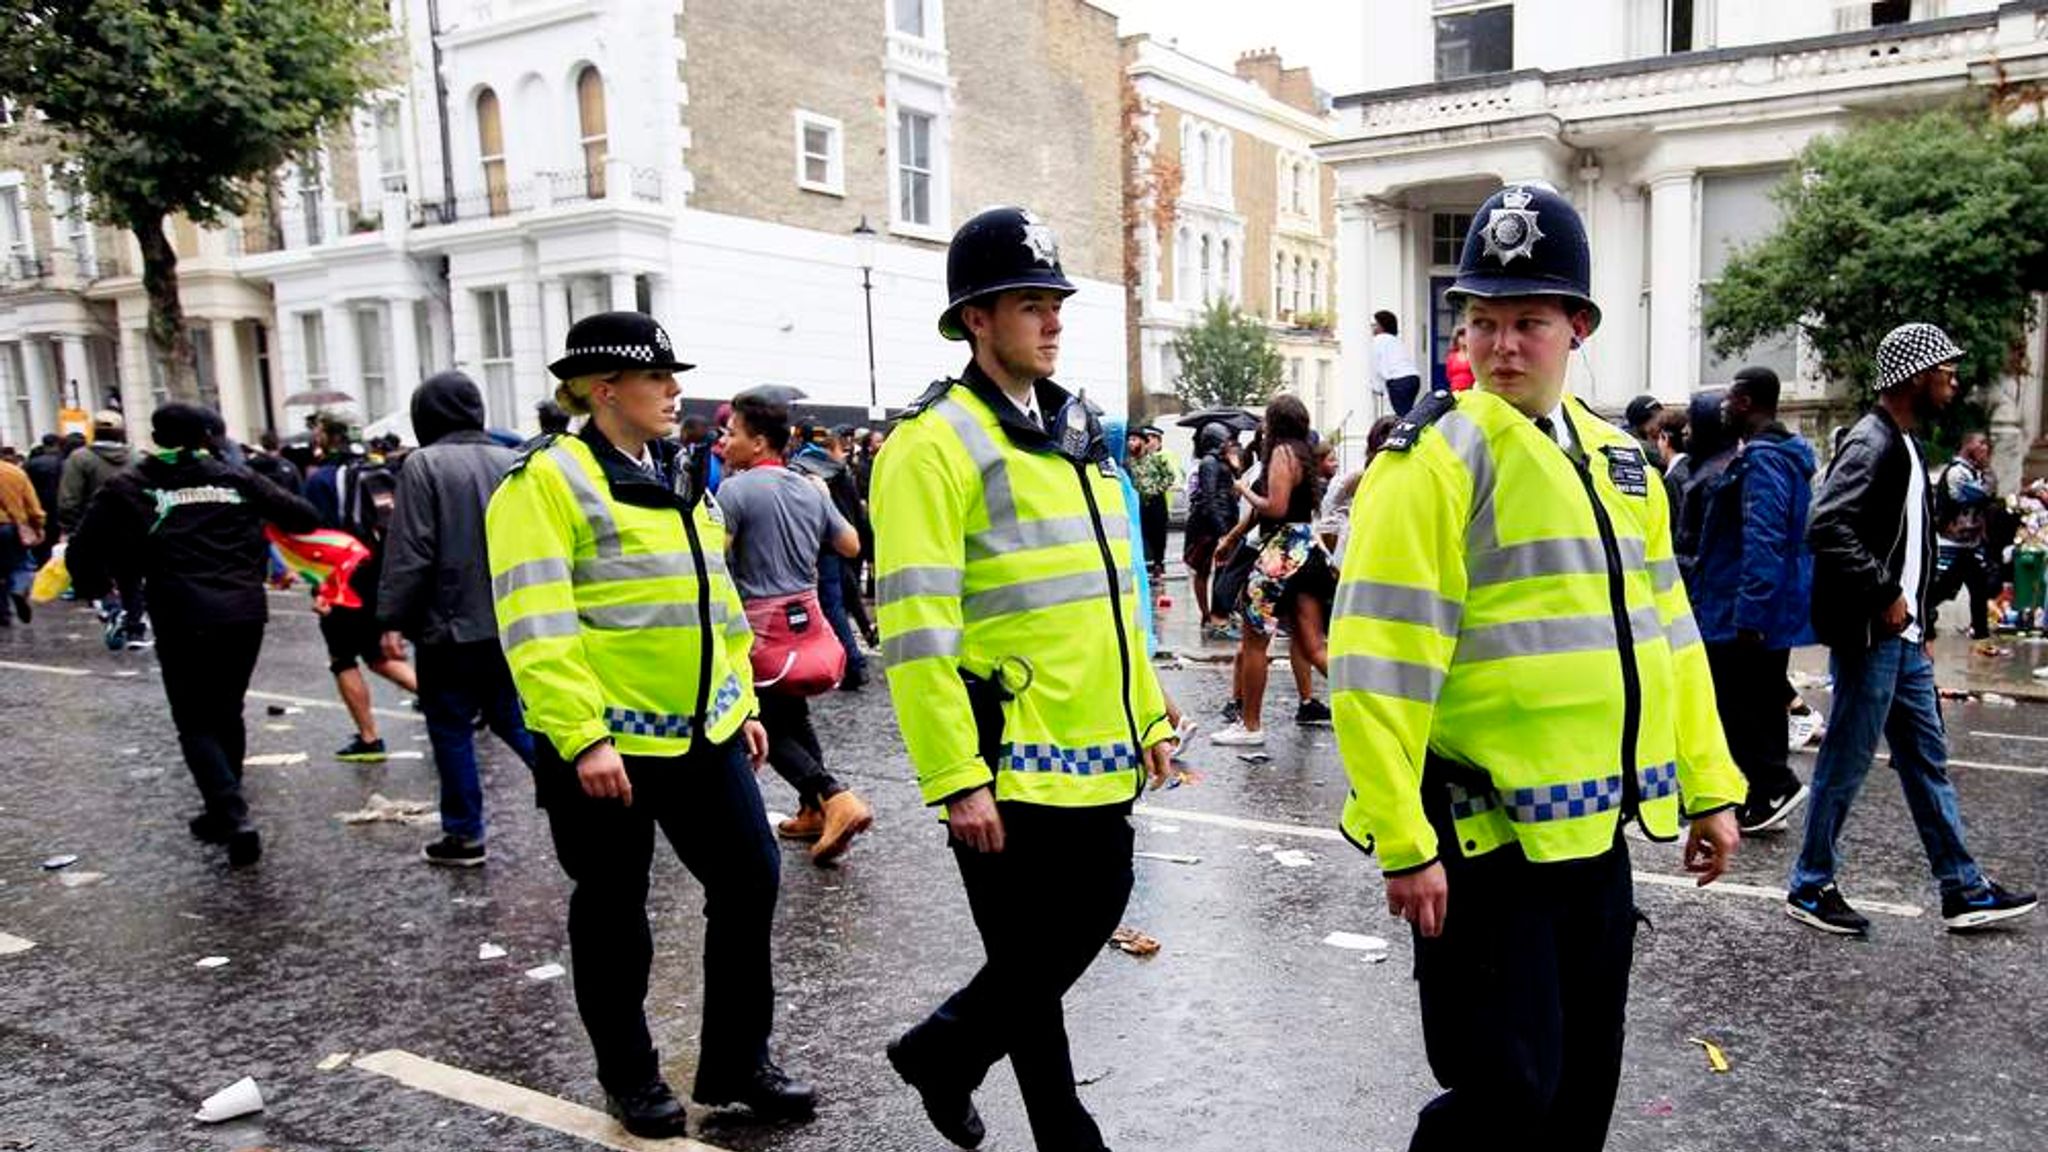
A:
[1040,241]
[1511,230]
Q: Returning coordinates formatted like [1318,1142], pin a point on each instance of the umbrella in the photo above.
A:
[318,397]
[1235,419]
[774,393]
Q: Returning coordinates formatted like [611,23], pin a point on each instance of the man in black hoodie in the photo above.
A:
[192,527]
[436,591]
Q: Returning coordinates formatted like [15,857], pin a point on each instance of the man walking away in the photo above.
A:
[1394,364]
[436,591]
[1963,497]
[86,471]
[45,470]
[356,494]
[812,457]
[192,527]
[1212,511]
[21,528]
[1751,582]
[269,462]
[1873,555]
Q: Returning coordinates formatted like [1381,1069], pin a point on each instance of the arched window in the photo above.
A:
[590,120]
[1208,282]
[490,143]
[1222,162]
[1301,188]
[1183,265]
[1279,285]
[1297,284]
[1225,279]
[1315,286]
[1202,160]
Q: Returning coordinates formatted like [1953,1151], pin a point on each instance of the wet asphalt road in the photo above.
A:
[1245,1032]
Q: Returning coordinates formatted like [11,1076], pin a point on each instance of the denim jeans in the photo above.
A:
[832,599]
[459,682]
[1890,690]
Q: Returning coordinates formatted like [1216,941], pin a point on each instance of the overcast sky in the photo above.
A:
[1326,35]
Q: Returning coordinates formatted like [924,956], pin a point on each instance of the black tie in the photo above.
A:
[1548,429]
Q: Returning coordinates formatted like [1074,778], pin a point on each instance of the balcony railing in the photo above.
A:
[61,270]
[616,181]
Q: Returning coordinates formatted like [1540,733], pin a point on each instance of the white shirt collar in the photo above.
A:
[644,461]
[1029,407]
[1560,428]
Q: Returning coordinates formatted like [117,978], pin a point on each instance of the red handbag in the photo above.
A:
[795,652]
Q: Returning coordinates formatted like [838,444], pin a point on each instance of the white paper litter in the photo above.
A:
[1293,858]
[79,879]
[238,1099]
[333,1061]
[274,760]
[212,962]
[382,809]
[1168,857]
[1355,942]
[489,952]
[546,972]
[277,727]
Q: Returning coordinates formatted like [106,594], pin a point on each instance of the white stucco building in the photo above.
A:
[1667,122]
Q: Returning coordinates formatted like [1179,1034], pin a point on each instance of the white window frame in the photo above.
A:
[921,100]
[934,30]
[376,374]
[71,229]
[390,161]
[494,356]
[312,349]
[1445,8]
[23,249]
[834,183]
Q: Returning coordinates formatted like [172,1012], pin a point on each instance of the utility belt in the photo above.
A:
[1451,789]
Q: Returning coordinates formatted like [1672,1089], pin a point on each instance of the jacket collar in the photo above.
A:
[667,486]
[1053,402]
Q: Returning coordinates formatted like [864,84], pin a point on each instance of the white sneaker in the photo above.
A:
[1238,736]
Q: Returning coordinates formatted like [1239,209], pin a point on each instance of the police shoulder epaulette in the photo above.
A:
[929,397]
[1427,411]
[531,450]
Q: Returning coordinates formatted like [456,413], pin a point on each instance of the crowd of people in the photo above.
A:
[642,604]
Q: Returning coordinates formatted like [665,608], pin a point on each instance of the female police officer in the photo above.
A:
[627,641]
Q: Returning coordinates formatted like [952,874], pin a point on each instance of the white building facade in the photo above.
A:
[1667,122]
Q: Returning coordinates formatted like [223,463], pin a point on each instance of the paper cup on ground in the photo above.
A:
[237,1099]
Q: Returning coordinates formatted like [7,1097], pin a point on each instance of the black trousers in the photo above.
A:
[1045,906]
[793,748]
[1152,518]
[12,555]
[206,674]
[1958,566]
[1749,692]
[1523,1002]
[707,804]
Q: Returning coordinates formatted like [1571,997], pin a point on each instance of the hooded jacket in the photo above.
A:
[192,526]
[1858,536]
[86,471]
[1212,506]
[436,583]
[1752,571]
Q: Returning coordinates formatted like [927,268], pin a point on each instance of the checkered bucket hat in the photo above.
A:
[1910,349]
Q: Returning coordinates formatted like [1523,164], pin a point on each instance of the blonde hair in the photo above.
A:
[573,394]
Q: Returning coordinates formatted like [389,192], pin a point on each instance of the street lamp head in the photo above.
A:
[864,239]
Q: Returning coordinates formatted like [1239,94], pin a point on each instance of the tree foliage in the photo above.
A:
[1942,218]
[186,107]
[1226,360]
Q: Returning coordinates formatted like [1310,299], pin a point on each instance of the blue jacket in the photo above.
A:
[1753,572]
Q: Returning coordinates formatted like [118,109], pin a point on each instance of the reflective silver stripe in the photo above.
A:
[1665,573]
[1049,533]
[1683,632]
[627,617]
[1565,556]
[932,580]
[540,627]
[1550,636]
[639,566]
[1400,603]
[596,512]
[1383,677]
[995,471]
[920,643]
[530,574]
[1468,441]
[1028,595]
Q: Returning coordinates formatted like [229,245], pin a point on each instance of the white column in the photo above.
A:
[440,350]
[554,315]
[1673,256]
[405,351]
[230,379]
[1389,287]
[78,371]
[530,379]
[1354,312]
[658,302]
[1615,220]
[622,292]
[42,412]
[344,367]
[136,402]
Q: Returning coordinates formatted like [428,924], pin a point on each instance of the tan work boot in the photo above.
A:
[807,824]
[846,816]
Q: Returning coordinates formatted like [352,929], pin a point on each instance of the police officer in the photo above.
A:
[1018,670]
[1516,674]
[629,647]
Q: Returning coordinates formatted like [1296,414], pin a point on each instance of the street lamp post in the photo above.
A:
[864,252]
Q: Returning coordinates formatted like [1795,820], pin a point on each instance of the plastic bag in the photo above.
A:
[52,580]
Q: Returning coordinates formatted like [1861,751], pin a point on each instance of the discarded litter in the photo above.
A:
[1991,651]
[1355,942]
[1661,1106]
[131,751]
[2041,673]
[277,727]
[80,879]
[285,710]
[274,760]
[1183,776]
[1255,757]
[1168,857]
[332,1061]
[1293,858]
[237,1099]
[1960,695]
[1133,942]
[382,809]
[211,962]
[1997,701]
[56,862]
[1716,1059]
[1264,848]
[546,972]
[489,952]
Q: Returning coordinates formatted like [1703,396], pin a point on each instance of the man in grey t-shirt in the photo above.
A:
[777,523]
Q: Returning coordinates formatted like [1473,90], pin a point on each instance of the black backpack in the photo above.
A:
[369,497]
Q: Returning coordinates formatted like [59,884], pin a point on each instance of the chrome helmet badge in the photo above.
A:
[1039,238]
[1511,230]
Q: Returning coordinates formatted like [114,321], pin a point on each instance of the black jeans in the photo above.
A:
[1749,692]
[1045,906]
[709,807]
[1960,566]
[1402,392]
[793,748]
[206,673]
[1523,1002]
[12,556]
[856,605]
[1153,515]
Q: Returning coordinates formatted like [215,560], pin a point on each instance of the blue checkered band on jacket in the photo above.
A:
[1466,804]
[1563,801]
[1659,781]
[1097,761]
[638,722]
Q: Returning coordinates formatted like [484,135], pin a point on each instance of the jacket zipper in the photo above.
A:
[1116,608]
[702,719]
[1631,676]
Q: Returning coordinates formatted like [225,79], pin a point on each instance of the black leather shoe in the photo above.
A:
[768,1092]
[651,1110]
[951,1110]
[208,828]
[245,846]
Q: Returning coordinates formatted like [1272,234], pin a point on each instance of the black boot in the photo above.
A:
[768,1092]
[951,1110]
[650,1110]
[245,846]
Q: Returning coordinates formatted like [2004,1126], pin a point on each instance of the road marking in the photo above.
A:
[253,694]
[11,944]
[1974,765]
[1659,879]
[45,669]
[550,1112]
[2011,736]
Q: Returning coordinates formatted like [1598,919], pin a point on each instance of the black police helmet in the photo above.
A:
[613,342]
[1526,240]
[997,250]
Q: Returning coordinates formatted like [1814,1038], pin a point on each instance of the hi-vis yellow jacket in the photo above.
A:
[1000,555]
[1514,612]
[614,606]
